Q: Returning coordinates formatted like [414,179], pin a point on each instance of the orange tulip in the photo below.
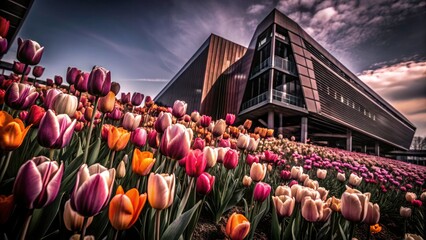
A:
[142,162]
[6,207]
[12,132]
[106,104]
[118,138]
[124,208]
[237,227]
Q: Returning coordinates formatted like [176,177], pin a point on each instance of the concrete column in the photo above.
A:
[349,140]
[271,120]
[280,125]
[304,129]
[377,149]
[365,149]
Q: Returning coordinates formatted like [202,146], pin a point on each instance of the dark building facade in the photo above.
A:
[286,81]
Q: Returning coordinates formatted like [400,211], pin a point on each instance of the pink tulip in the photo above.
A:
[261,191]
[195,163]
[205,183]
[55,131]
[176,141]
[230,160]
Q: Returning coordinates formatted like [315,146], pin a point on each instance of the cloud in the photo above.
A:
[255,9]
[404,86]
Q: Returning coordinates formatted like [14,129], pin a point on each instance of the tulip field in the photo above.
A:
[79,163]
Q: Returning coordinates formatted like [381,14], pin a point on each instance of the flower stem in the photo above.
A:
[89,134]
[23,73]
[351,229]
[185,198]
[3,171]
[26,224]
[83,230]
[111,159]
[51,154]
[157,224]
[116,234]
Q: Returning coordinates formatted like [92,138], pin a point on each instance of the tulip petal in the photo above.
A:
[48,131]
[120,212]
[91,196]
[28,175]
[158,191]
[54,185]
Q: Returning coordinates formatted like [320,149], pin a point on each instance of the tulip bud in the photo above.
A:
[65,104]
[161,190]
[205,121]
[3,45]
[176,141]
[179,108]
[116,114]
[284,205]
[142,162]
[29,52]
[81,81]
[106,104]
[38,71]
[296,172]
[247,181]
[124,208]
[258,171]
[354,180]
[153,140]
[373,214]
[137,99]
[224,143]
[72,74]
[221,152]
[243,141]
[261,191]
[405,212]
[247,124]
[423,196]
[164,120]
[12,132]
[237,227]
[115,88]
[230,160]
[211,156]
[219,128]
[99,83]
[58,80]
[6,207]
[321,173]
[315,210]
[354,205]
[44,177]
[253,143]
[4,27]
[410,196]
[195,163]
[55,131]
[34,115]
[283,190]
[251,159]
[341,177]
[230,119]
[286,175]
[138,137]
[205,183]
[334,204]
[121,170]
[72,220]
[195,116]
[23,115]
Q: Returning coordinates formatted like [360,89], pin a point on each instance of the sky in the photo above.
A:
[145,43]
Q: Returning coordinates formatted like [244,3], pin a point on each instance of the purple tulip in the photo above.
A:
[138,137]
[58,80]
[49,99]
[99,83]
[152,139]
[125,98]
[116,114]
[37,182]
[55,131]
[72,74]
[92,189]
[179,108]
[49,82]
[81,81]
[199,143]
[205,121]
[20,96]
[3,45]
[115,88]
[224,143]
[137,99]
[164,120]
[176,141]
[230,119]
[38,71]
[18,68]
[29,52]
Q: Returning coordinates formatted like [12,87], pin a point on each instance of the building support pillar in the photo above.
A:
[304,129]
[377,149]
[365,149]
[271,119]
[280,125]
[349,140]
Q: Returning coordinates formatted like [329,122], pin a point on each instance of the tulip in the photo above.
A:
[247,124]
[142,162]
[323,193]
[3,45]
[250,159]
[106,104]
[296,172]
[195,163]
[153,139]
[99,83]
[230,160]
[253,143]
[55,131]
[261,191]
[224,143]
[116,114]
[164,120]
[121,170]
[65,104]
[410,196]
[18,68]
[283,190]
[205,121]
[125,98]
[311,183]
[131,121]
[161,190]
[334,204]
[417,203]
[243,141]
[49,82]
[78,237]
[219,128]
[405,212]
[211,156]
[115,88]
[20,96]
[321,173]
[137,99]
[341,177]
[354,205]
[38,71]
[423,196]
[315,210]
[81,81]
[247,181]
[284,205]
[118,138]
[23,115]
[72,75]
[4,27]
[72,220]
[44,177]
[58,80]
[29,52]
[6,207]
[258,171]
[237,227]
[354,180]
[373,214]
[176,141]
[138,137]
[125,208]
[286,175]
[230,119]
[12,132]
[198,144]
[205,183]
[92,189]
[179,108]
[50,97]
[195,116]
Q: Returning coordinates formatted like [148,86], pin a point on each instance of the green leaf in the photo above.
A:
[43,218]
[94,152]
[176,228]
[342,232]
[275,228]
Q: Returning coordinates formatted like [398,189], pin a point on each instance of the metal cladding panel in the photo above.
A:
[188,85]
[342,101]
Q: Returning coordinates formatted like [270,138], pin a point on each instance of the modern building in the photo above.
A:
[287,81]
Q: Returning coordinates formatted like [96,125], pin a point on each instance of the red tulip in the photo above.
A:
[198,143]
[230,119]
[205,121]
[230,161]
[3,45]
[4,27]
[195,163]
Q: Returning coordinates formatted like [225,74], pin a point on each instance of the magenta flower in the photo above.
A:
[205,183]
[138,137]
[261,191]
[199,143]
[18,68]
[99,82]
[195,163]
[176,141]
[251,159]
[49,99]
[29,52]
[224,143]
[137,99]
[270,156]
[81,81]
[3,45]
[49,82]
[205,121]
[37,182]
[72,74]
[58,80]
[116,114]
[38,71]
[179,108]
[20,96]
[92,189]
[125,98]
[55,131]
[164,120]
[152,139]
[230,160]
[230,119]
